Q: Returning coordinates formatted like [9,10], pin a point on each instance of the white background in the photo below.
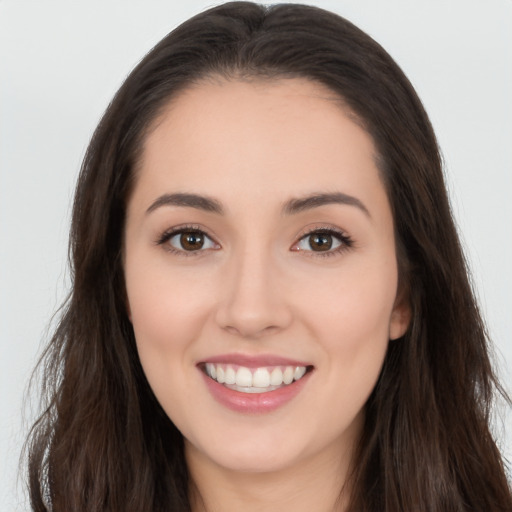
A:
[60,64]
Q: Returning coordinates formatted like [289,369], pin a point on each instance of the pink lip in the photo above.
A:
[254,403]
[254,361]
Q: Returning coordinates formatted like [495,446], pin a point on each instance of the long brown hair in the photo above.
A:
[104,443]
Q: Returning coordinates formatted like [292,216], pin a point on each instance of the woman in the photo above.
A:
[270,305]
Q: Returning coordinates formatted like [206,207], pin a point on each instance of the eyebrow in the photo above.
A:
[292,206]
[316,200]
[204,203]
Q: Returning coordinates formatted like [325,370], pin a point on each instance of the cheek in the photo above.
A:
[353,307]
[349,317]
[168,309]
[356,338]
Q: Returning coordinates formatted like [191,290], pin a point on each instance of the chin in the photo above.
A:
[249,454]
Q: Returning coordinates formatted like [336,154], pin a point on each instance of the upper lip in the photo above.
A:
[254,361]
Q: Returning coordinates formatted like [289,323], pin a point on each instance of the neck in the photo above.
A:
[316,483]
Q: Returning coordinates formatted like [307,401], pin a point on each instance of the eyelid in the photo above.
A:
[168,234]
[346,242]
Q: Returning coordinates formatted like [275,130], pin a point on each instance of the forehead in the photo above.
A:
[226,138]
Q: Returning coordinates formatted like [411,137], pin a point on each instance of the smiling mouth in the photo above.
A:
[254,380]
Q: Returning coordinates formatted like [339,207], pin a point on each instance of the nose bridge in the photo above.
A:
[253,300]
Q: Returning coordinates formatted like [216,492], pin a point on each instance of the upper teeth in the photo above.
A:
[254,377]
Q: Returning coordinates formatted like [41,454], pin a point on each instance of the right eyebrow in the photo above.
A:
[200,202]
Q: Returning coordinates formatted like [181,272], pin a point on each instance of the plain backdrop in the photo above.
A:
[61,62]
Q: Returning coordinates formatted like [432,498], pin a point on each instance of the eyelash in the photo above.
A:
[346,241]
[170,233]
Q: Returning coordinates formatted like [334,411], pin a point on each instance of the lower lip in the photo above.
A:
[254,403]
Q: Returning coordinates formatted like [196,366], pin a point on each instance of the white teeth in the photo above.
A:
[299,372]
[244,377]
[210,370]
[256,380]
[276,377]
[288,375]
[261,378]
[253,389]
[230,376]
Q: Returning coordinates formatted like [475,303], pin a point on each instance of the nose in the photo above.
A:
[252,302]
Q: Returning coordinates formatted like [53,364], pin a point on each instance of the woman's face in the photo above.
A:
[259,250]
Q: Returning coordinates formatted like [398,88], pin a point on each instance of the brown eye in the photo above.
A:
[189,241]
[323,241]
[320,241]
[192,240]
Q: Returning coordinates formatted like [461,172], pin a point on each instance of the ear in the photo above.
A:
[400,318]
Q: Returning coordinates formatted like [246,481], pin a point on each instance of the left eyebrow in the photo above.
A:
[300,204]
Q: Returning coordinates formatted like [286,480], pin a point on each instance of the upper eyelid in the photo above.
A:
[323,229]
[347,242]
[335,231]
[185,228]
[164,241]
[166,235]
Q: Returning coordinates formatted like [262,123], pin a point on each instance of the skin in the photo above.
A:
[259,288]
